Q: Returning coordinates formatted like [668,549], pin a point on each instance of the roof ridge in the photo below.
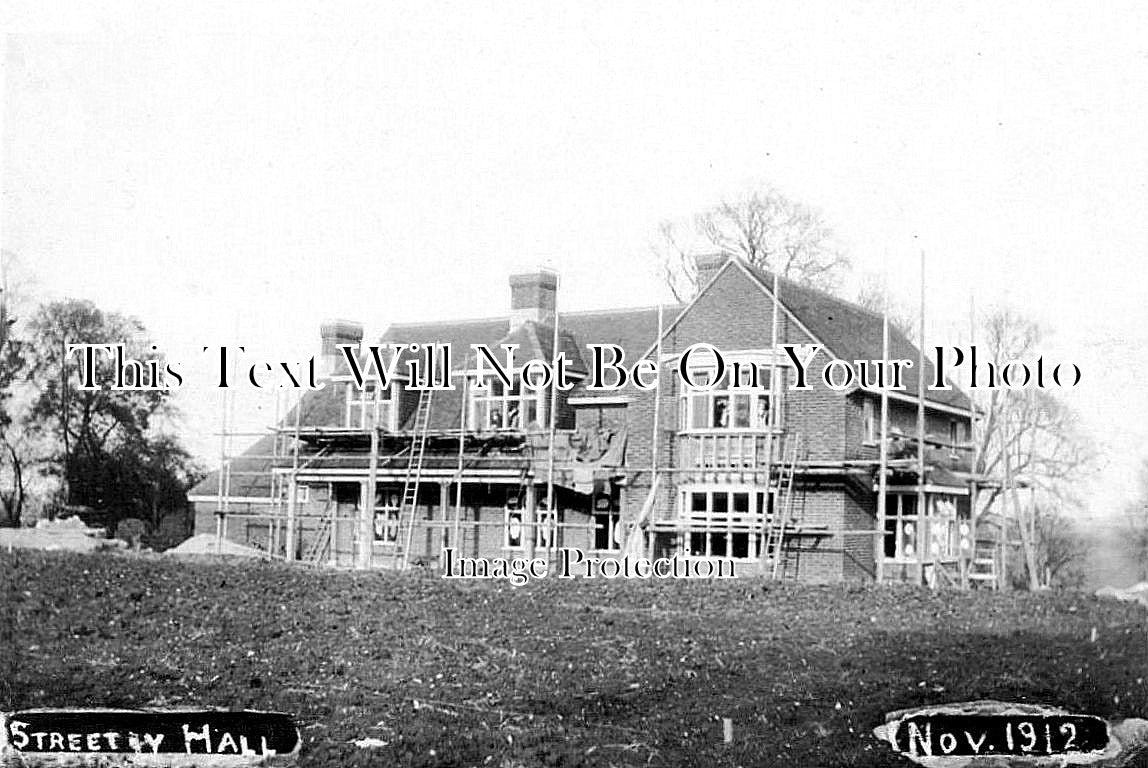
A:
[468,321]
[647,308]
[506,318]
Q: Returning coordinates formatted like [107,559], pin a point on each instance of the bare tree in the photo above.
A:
[1059,547]
[1136,524]
[1033,439]
[765,228]
[874,296]
[15,452]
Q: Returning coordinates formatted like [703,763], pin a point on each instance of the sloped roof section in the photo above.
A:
[536,342]
[852,332]
[634,330]
[250,475]
[460,334]
[251,470]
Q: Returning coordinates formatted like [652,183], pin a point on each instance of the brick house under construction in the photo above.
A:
[782,481]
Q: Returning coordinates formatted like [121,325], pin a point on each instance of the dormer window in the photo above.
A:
[498,407]
[371,406]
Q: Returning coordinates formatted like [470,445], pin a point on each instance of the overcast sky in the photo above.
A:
[239,171]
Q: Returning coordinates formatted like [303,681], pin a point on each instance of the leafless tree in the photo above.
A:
[1136,524]
[1059,548]
[15,453]
[873,295]
[763,227]
[1033,439]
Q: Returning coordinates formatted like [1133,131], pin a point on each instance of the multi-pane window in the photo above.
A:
[387,509]
[370,406]
[909,536]
[514,524]
[726,407]
[901,527]
[499,407]
[725,523]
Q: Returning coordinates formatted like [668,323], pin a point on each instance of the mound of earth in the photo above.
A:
[1137,593]
[207,544]
[69,534]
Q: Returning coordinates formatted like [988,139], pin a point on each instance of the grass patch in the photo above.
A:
[555,673]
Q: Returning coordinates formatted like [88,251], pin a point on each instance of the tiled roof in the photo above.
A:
[852,332]
[634,330]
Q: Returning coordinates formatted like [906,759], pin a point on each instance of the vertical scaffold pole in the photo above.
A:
[922,513]
[551,512]
[883,468]
[769,421]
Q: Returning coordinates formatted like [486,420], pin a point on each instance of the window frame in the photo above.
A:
[700,409]
[371,400]
[705,523]
[545,523]
[513,408]
[513,514]
[925,530]
[869,418]
[386,518]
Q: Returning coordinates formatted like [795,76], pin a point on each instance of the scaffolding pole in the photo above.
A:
[883,466]
[769,420]
[654,437]
[456,537]
[367,515]
[224,474]
[921,511]
[551,512]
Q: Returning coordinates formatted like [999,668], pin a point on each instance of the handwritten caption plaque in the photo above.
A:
[994,733]
[154,738]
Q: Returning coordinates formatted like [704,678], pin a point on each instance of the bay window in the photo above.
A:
[725,522]
[725,407]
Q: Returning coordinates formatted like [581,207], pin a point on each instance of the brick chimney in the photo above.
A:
[532,297]
[333,334]
[707,265]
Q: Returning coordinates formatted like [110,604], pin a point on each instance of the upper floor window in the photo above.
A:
[727,407]
[956,434]
[869,416]
[498,407]
[373,405]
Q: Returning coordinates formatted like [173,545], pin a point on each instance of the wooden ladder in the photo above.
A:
[775,541]
[413,476]
[983,565]
[320,546]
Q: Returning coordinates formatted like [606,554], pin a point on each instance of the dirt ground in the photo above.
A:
[586,673]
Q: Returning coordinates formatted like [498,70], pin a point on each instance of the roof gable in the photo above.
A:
[850,331]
